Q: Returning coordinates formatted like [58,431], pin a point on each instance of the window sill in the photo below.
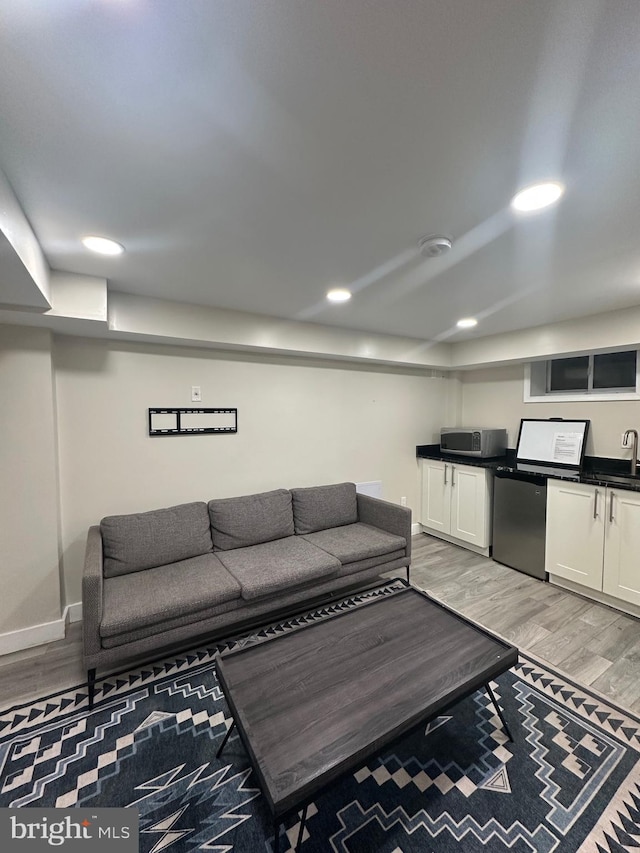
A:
[579,398]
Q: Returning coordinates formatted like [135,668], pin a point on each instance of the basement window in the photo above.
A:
[597,376]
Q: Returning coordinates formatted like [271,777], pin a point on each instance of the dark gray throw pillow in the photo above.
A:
[321,507]
[144,540]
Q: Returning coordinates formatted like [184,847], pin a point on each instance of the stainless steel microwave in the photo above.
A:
[468,441]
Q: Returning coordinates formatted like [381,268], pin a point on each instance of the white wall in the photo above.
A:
[598,332]
[164,321]
[76,408]
[24,272]
[29,558]
[493,397]
[299,423]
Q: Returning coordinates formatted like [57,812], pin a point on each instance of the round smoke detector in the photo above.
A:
[434,246]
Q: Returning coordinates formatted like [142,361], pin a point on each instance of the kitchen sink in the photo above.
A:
[620,479]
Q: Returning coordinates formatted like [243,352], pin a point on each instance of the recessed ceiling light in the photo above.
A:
[102,245]
[537,196]
[467,323]
[339,294]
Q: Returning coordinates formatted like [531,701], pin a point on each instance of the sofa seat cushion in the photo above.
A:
[321,507]
[391,560]
[144,540]
[356,542]
[188,623]
[250,519]
[135,601]
[274,567]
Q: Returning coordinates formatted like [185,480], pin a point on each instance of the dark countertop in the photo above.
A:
[596,471]
[432,451]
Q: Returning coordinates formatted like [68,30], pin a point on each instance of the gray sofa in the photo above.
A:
[162,579]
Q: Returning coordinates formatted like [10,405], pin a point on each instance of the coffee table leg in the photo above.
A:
[226,738]
[301,830]
[496,706]
[276,836]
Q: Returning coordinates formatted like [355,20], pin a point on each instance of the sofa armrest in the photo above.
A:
[387,516]
[92,585]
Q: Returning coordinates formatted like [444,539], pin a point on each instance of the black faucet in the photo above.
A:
[634,449]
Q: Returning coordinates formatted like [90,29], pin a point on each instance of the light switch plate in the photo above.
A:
[196,395]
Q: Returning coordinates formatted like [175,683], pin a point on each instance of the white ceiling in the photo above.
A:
[250,154]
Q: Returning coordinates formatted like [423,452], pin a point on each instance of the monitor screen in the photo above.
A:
[554,442]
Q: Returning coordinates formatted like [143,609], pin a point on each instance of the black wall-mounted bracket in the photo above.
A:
[179,421]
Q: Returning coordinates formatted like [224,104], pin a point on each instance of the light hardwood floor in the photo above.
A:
[593,644]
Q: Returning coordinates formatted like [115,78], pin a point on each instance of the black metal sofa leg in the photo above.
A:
[91,683]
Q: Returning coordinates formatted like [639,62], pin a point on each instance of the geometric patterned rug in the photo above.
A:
[570,782]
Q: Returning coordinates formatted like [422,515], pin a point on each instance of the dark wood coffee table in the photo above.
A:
[317,702]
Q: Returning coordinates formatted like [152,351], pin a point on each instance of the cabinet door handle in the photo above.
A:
[445,475]
[611,508]
[595,504]
[452,480]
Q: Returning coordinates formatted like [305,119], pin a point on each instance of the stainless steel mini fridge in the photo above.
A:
[519,522]
[546,447]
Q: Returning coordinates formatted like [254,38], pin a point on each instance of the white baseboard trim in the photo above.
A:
[416,528]
[595,595]
[485,552]
[39,635]
[35,635]
[73,612]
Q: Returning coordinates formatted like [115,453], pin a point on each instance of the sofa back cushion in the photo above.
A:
[250,519]
[321,507]
[144,540]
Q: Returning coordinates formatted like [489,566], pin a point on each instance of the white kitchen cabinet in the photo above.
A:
[456,503]
[621,576]
[593,538]
[575,532]
[436,496]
